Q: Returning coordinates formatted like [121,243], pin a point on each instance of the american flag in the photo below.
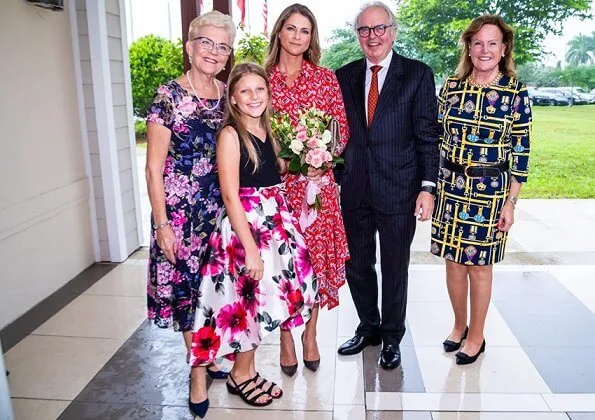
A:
[242,6]
[265,14]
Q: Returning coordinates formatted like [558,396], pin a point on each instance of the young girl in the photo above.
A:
[258,275]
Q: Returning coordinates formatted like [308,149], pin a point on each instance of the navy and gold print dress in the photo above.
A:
[481,126]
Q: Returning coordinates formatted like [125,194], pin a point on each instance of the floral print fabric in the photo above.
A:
[317,87]
[192,200]
[235,312]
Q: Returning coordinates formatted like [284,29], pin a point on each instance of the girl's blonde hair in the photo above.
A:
[233,116]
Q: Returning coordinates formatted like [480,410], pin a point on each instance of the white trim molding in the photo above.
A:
[83,121]
[106,132]
[129,110]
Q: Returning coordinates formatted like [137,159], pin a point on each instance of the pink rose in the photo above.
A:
[301,135]
[327,156]
[314,158]
[163,90]
[313,142]
[186,106]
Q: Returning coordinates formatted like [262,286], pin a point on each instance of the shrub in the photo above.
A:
[140,130]
[153,62]
[251,48]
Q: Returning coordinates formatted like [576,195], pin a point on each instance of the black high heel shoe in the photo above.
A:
[311,364]
[198,409]
[289,370]
[450,346]
[465,359]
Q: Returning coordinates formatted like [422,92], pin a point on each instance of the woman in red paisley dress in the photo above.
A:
[298,83]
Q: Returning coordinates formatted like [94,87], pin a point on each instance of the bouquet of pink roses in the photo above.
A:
[309,143]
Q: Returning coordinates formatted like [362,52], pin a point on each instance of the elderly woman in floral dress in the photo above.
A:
[182,181]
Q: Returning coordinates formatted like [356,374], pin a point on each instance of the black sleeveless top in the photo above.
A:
[267,173]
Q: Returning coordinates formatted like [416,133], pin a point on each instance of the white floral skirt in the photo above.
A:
[235,312]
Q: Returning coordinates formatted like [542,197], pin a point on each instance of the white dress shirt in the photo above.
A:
[381,78]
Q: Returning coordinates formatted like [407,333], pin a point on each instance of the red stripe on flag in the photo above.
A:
[242,6]
[265,15]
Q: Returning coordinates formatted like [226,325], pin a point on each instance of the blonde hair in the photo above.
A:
[506,65]
[233,116]
[312,54]
[214,18]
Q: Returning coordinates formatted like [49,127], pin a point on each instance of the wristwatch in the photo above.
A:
[429,189]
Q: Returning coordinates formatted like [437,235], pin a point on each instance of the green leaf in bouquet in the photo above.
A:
[318,202]
[304,170]
[294,165]
[286,154]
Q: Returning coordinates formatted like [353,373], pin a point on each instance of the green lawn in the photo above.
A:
[562,160]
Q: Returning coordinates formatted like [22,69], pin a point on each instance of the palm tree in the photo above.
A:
[579,49]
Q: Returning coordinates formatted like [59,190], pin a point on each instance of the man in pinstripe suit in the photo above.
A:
[391,165]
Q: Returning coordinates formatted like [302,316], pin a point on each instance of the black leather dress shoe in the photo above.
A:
[357,344]
[390,356]
[465,359]
[450,346]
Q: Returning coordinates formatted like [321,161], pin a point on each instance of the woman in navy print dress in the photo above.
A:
[486,119]
[181,175]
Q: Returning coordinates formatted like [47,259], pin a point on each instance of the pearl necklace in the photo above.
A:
[205,108]
[484,85]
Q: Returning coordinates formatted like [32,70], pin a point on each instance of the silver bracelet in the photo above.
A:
[161,225]
[513,200]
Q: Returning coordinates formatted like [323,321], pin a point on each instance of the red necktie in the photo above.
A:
[373,94]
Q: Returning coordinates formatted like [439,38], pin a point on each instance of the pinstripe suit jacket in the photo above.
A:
[400,149]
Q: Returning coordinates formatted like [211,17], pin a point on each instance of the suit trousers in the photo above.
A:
[396,234]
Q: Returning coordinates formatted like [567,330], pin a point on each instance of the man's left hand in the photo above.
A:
[424,205]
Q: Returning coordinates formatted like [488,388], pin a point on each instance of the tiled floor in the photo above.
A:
[98,358]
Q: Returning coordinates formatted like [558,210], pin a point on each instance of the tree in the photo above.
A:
[580,49]
[436,25]
[153,62]
[344,49]
[251,48]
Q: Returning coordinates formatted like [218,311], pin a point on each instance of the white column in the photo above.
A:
[5,407]
[137,203]
[83,119]
[106,132]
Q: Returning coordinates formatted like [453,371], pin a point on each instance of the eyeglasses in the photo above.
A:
[379,30]
[208,44]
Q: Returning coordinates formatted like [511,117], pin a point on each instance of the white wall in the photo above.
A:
[110,127]
[45,222]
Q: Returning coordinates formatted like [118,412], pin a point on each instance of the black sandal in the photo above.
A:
[270,390]
[247,395]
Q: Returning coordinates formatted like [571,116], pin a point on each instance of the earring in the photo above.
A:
[190,58]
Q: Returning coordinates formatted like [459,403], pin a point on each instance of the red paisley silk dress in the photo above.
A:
[325,237]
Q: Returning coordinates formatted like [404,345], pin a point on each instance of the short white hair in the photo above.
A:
[213,18]
[391,16]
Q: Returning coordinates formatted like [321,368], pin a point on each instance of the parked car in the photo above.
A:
[578,91]
[590,97]
[573,97]
[540,97]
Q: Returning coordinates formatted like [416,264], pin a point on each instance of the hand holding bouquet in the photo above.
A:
[309,143]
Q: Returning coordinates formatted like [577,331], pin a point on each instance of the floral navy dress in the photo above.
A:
[236,312]
[192,200]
